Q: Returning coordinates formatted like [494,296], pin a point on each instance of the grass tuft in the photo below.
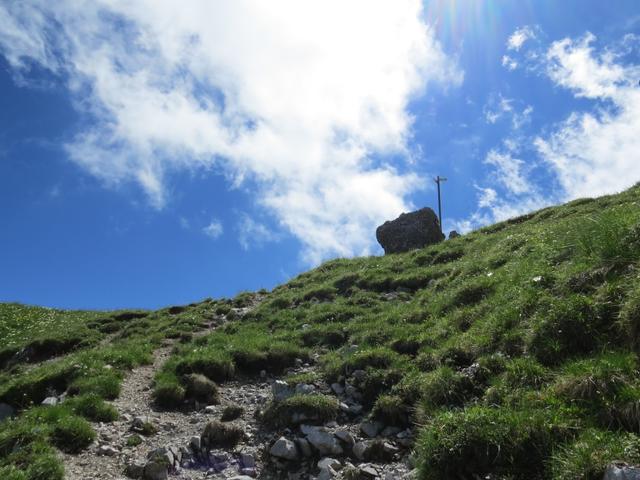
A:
[300,409]
[588,455]
[482,441]
[72,434]
[221,435]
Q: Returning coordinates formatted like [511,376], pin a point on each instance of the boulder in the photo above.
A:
[371,429]
[410,231]
[359,450]
[284,448]
[304,446]
[322,440]
[345,436]
[621,471]
[167,456]
[453,234]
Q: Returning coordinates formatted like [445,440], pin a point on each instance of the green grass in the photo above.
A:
[134,440]
[513,347]
[524,317]
[93,407]
[221,435]
[72,434]
[588,455]
[483,440]
[65,354]
[231,412]
[21,325]
[314,409]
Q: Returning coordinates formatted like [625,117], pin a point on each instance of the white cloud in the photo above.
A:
[596,152]
[496,108]
[519,119]
[509,171]
[519,37]
[509,62]
[487,197]
[573,64]
[503,208]
[252,233]
[295,95]
[590,153]
[495,207]
[214,229]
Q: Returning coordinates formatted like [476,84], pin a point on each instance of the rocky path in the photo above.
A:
[349,448]
[110,454]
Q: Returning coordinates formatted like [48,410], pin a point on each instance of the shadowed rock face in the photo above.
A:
[410,231]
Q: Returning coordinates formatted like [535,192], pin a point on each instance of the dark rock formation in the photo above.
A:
[453,234]
[409,231]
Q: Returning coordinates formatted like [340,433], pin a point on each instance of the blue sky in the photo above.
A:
[155,154]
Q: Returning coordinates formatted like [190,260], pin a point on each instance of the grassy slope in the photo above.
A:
[46,351]
[514,347]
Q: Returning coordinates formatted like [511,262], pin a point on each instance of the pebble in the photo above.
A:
[107,450]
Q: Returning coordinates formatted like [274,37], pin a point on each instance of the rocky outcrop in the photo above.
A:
[410,231]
